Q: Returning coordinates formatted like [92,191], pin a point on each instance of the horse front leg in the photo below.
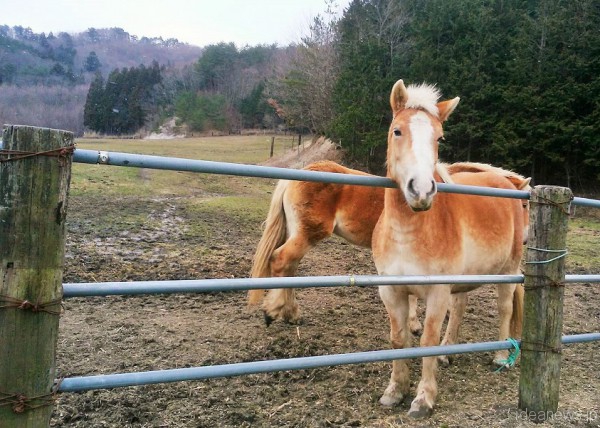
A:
[505,307]
[395,300]
[437,305]
[457,312]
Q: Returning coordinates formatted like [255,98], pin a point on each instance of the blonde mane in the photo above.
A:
[423,96]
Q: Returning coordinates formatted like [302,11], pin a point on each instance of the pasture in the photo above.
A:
[136,224]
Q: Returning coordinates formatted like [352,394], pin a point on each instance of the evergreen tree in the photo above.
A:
[119,107]
[370,58]
[528,75]
[202,112]
[92,63]
[216,63]
[253,107]
[94,109]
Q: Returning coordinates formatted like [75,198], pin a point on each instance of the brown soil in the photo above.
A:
[129,334]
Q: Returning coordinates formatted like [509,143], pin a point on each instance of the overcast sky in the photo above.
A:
[198,22]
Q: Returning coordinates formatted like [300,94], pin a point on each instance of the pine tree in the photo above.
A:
[92,63]
[94,109]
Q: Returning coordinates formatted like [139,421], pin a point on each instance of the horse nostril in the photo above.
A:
[433,188]
[411,187]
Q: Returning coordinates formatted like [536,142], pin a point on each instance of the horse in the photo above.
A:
[421,232]
[301,214]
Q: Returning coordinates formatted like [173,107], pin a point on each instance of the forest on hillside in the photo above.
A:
[45,78]
[527,72]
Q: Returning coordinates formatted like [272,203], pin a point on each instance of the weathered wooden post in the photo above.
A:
[543,307]
[272,146]
[35,171]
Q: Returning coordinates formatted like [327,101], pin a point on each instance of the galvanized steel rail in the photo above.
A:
[88,289]
[225,168]
[84,383]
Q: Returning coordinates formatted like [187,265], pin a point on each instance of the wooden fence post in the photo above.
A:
[543,306]
[272,146]
[35,171]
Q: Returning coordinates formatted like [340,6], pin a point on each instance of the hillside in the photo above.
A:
[27,58]
[44,78]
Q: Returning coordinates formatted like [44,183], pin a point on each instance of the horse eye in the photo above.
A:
[441,139]
[397,132]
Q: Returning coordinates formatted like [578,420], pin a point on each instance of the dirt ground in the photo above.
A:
[130,334]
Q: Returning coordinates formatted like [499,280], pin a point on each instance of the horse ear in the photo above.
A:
[446,108]
[398,97]
[525,184]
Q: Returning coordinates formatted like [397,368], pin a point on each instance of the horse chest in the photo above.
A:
[399,257]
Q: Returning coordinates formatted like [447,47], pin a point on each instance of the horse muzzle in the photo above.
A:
[420,197]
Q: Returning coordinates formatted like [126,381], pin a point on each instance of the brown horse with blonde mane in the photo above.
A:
[304,213]
[421,232]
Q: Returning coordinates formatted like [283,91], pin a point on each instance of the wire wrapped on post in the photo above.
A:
[26,305]
[14,155]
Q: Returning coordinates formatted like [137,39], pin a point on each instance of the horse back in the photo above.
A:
[321,209]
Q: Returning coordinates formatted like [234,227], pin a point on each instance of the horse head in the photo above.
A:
[413,140]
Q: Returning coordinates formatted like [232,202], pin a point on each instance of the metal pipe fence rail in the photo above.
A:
[225,168]
[61,147]
[85,383]
[89,289]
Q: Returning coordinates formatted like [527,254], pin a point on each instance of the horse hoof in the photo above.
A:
[416,328]
[293,320]
[501,364]
[443,360]
[388,401]
[419,410]
[501,361]
[268,318]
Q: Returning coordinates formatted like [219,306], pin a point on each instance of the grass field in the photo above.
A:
[128,181]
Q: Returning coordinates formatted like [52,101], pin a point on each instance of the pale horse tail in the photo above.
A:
[273,237]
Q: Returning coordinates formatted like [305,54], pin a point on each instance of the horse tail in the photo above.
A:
[516,321]
[273,236]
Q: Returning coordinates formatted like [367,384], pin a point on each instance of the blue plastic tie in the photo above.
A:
[512,357]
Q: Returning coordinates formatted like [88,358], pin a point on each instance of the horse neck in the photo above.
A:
[396,207]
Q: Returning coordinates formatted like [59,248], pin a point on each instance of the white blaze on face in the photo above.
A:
[421,168]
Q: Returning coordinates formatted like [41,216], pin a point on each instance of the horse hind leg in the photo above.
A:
[505,294]
[457,312]
[413,320]
[281,303]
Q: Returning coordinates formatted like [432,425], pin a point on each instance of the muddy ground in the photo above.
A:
[127,334]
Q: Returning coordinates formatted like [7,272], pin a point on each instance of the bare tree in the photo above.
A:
[303,86]
[46,106]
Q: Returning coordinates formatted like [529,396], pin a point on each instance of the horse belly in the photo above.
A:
[463,288]
[489,258]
